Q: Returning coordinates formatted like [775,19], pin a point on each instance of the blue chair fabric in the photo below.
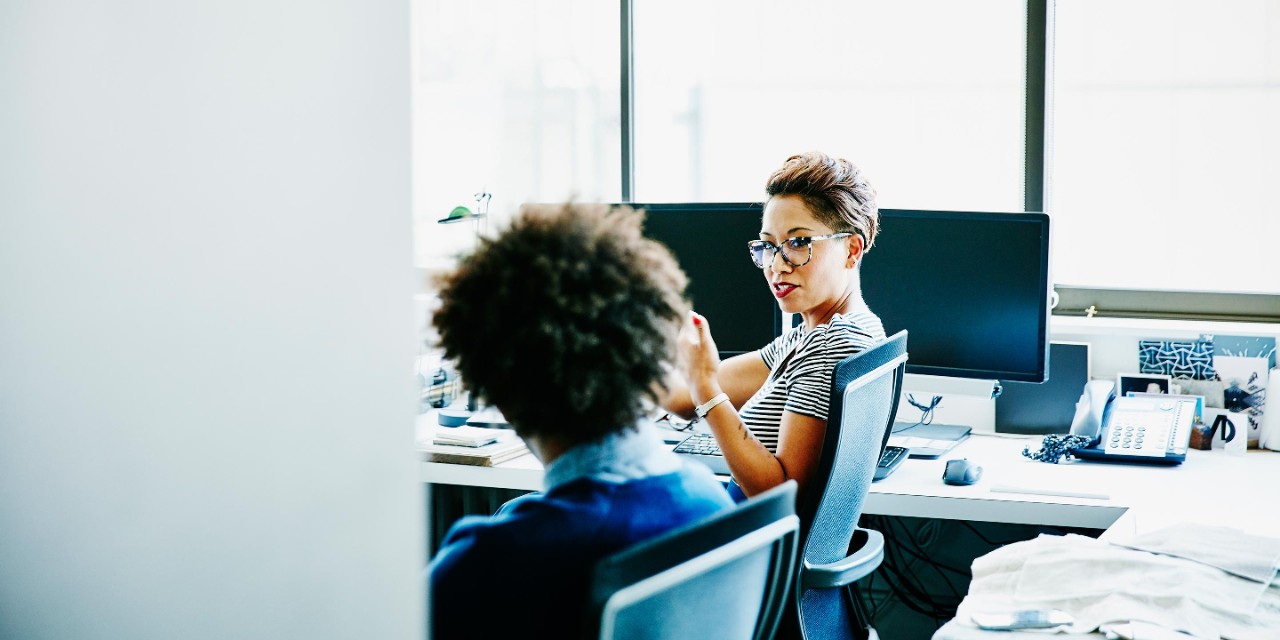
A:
[864,401]
[728,576]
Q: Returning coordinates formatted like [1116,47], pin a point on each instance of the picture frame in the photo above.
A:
[1129,383]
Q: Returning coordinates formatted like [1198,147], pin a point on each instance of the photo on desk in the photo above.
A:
[1129,383]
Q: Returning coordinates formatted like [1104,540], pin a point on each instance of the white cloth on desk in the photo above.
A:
[1233,551]
[1123,631]
[1101,584]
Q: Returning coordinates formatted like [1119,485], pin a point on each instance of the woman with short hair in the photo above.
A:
[768,409]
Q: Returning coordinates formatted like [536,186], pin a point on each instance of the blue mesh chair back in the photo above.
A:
[864,402]
[725,577]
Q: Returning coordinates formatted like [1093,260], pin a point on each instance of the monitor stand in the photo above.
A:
[964,406]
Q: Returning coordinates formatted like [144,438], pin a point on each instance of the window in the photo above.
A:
[1166,145]
[926,96]
[517,98]
[1163,140]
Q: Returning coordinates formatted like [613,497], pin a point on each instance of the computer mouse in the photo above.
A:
[961,472]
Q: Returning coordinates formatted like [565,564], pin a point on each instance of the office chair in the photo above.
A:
[864,402]
[727,576]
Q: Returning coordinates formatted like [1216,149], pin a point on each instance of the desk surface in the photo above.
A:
[1212,487]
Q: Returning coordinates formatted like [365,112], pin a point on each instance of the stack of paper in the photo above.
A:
[466,436]
[507,446]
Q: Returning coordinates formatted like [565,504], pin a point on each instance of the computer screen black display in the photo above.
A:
[972,289]
[710,243]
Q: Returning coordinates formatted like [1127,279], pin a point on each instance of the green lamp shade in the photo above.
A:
[458,215]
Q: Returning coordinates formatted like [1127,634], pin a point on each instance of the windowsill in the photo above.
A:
[1146,328]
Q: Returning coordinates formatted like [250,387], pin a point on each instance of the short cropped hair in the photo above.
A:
[566,320]
[834,189]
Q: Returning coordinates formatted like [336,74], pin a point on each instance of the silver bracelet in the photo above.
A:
[706,407]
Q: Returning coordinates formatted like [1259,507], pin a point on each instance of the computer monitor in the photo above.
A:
[972,288]
[709,241]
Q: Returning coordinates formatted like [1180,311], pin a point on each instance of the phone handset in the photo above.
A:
[1092,409]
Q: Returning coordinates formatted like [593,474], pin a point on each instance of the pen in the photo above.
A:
[1050,492]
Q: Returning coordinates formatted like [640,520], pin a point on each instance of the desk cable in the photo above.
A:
[1056,448]
[926,411]
[901,545]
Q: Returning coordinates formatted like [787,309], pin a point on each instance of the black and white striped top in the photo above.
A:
[801,364]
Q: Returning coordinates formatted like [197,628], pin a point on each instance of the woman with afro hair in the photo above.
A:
[566,322]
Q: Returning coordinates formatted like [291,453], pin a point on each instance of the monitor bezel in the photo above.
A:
[1045,280]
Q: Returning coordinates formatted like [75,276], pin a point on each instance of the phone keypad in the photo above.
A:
[1149,431]
[1139,433]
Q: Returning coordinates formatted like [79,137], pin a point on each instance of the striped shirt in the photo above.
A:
[801,364]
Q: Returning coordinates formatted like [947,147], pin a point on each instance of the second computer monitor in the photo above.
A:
[972,288]
[709,241]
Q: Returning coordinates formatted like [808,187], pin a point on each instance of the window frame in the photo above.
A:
[1103,301]
[1037,188]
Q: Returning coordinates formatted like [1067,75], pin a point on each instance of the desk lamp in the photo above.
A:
[458,417]
[461,213]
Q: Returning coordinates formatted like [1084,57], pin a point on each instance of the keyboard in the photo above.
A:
[889,460]
[704,448]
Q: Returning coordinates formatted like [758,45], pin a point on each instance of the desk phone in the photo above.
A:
[1148,429]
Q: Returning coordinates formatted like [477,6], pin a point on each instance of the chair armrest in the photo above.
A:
[846,570]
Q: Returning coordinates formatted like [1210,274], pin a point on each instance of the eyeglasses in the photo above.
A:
[676,424]
[796,252]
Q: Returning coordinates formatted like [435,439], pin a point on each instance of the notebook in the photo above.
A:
[467,436]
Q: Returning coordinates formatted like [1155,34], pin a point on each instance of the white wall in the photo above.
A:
[1114,341]
[206,321]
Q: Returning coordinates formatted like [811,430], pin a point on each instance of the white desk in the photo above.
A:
[1210,487]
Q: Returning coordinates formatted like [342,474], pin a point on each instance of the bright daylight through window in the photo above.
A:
[1167,145]
[931,111]
[1164,137]
[517,98]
